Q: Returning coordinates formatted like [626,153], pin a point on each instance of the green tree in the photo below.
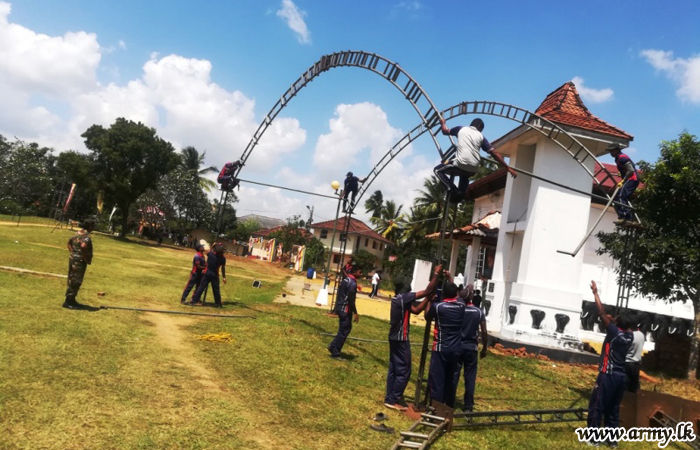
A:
[666,260]
[129,159]
[292,233]
[364,260]
[243,230]
[316,254]
[26,182]
[74,167]
[430,202]
[375,203]
[390,223]
[191,162]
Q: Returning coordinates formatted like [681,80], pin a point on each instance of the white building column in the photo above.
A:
[472,260]
[454,255]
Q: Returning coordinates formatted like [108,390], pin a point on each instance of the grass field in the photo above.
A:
[115,379]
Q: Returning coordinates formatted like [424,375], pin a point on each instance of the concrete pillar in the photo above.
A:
[454,254]
[472,259]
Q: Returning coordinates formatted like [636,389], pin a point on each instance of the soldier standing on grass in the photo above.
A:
[402,306]
[80,256]
[346,310]
[609,387]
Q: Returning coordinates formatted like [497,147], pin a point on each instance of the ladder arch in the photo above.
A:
[389,70]
[545,127]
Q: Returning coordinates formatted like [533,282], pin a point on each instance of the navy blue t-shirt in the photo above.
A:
[214,261]
[197,262]
[345,300]
[399,316]
[615,347]
[448,315]
[473,316]
[351,183]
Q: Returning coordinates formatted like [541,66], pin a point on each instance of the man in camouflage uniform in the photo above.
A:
[80,251]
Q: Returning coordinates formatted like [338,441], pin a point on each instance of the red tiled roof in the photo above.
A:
[265,232]
[487,226]
[564,106]
[356,227]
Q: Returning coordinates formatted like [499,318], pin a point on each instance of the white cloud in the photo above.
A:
[61,66]
[592,95]
[295,20]
[353,129]
[176,96]
[121,44]
[684,72]
[410,9]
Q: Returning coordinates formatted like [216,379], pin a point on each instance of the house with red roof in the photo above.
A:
[359,236]
[534,293]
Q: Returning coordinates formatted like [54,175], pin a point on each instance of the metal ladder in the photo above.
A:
[662,419]
[422,433]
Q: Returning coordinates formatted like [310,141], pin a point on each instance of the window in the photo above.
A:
[324,234]
[374,245]
[366,242]
[336,258]
[343,237]
[381,246]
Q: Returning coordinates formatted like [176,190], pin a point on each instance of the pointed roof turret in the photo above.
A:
[565,107]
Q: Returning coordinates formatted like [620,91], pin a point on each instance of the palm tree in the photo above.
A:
[374,204]
[390,224]
[431,202]
[191,162]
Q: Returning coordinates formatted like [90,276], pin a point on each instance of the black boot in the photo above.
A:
[70,303]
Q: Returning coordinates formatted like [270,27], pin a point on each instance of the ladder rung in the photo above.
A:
[430,416]
[414,435]
[429,424]
[410,444]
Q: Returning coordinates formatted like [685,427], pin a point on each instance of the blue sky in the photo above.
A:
[205,73]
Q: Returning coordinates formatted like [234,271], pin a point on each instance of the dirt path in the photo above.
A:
[171,333]
[172,336]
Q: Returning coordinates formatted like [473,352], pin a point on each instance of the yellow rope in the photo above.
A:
[216,337]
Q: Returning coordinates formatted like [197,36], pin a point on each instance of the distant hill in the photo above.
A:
[265,222]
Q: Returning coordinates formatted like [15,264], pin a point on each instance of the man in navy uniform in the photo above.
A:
[610,384]
[346,310]
[198,266]
[628,184]
[402,306]
[445,359]
[215,259]
[473,320]
[352,184]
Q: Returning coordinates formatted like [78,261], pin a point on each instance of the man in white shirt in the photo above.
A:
[633,361]
[375,284]
[467,158]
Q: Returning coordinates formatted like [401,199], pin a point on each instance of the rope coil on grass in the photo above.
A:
[215,337]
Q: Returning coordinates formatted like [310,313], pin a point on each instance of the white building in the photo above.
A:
[359,237]
[536,294]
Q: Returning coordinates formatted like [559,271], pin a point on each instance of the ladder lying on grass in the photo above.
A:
[430,427]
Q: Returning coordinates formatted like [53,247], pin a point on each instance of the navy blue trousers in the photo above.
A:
[443,172]
[623,196]
[605,400]
[445,368]
[399,371]
[470,360]
[344,328]
[195,280]
[206,280]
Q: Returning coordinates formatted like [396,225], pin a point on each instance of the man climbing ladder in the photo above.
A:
[628,184]
[466,159]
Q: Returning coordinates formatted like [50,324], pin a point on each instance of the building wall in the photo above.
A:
[373,246]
